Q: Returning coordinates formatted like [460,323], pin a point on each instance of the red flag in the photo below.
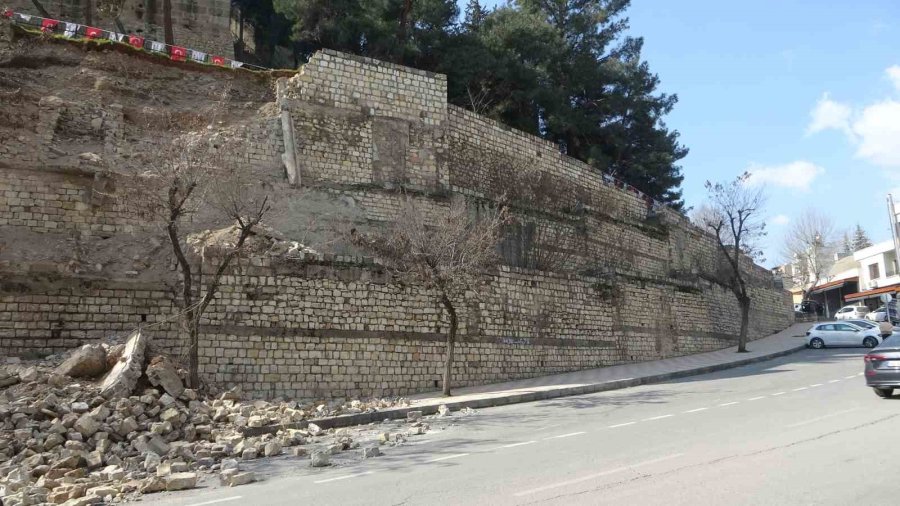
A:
[218,60]
[178,53]
[92,33]
[48,24]
[135,41]
[8,13]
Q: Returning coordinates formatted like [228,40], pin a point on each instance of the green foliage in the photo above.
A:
[860,238]
[562,69]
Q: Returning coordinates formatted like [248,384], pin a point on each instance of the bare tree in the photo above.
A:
[183,175]
[447,257]
[733,215]
[810,246]
[168,34]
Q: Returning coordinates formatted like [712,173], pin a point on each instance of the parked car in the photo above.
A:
[883,367]
[842,334]
[851,313]
[880,315]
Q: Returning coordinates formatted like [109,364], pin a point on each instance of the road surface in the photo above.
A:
[802,429]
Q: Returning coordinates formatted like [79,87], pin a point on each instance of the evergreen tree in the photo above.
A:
[562,69]
[474,17]
[860,238]
[847,245]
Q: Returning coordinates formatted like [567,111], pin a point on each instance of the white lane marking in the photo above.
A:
[596,475]
[621,425]
[216,501]
[565,435]
[834,381]
[622,379]
[849,377]
[346,476]
[660,417]
[448,457]
[728,404]
[696,410]
[757,398]
[518,444]
[814,385]
[799,389]
[859,374]
[814,420]
[779,393]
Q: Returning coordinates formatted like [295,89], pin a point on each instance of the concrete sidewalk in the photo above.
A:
[785,342]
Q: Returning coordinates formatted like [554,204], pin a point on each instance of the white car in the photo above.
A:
[851,313]
[857,333]
[880,315]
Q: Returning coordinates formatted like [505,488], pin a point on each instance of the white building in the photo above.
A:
[877,274]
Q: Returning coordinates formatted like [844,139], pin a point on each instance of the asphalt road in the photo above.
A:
[802,429]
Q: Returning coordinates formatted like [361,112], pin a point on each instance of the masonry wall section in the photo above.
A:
[634,286]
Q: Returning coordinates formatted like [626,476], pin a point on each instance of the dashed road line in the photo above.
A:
[756,398]
[446,457]
[696,410]
[728,404]
[346,476]
[621,425]
[849,377]
[660,417]
[814,385]
[565,435]
[217,501]
[799,389]
[513,445]
[834,381]
[595,475]
[778,393]
[814,420]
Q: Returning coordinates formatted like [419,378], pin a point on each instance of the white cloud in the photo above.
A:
[893,73]
[781,219]
[798,175]
[877,130]
[829,114]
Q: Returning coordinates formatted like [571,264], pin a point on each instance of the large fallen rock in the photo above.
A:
[122,379]
[162,372]
[89,361]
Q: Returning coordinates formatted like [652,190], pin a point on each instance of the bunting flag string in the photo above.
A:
[75,30]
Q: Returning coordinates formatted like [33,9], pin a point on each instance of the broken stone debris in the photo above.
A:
[83,442]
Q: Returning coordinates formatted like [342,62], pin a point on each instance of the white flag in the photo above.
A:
[198,56]
[236,64]
[71,29]
[157,46]
[116,36]
[25,17]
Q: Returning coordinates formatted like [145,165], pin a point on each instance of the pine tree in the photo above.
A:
[860,239]
[847,245]
[475,15]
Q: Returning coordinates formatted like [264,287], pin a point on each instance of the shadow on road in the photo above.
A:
[783,364]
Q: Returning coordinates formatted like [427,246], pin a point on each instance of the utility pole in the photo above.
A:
[892,219]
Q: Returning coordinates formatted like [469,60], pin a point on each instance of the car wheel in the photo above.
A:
[816,343]
[884,393]
[870,342]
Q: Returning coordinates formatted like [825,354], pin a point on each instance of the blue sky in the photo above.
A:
[805,94]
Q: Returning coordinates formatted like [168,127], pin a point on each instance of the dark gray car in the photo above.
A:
[883,367]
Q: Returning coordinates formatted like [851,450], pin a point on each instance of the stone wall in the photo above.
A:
[627,280]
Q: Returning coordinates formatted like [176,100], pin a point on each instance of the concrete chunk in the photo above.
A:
[123,377]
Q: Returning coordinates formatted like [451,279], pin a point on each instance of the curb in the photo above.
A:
[400,413]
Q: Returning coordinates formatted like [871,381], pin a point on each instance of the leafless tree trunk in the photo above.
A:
[88,12]
[447,256]
[810,245]
[451,344]
[167,22]
[733,216]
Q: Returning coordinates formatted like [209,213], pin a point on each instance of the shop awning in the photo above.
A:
[833,285]
[872,293]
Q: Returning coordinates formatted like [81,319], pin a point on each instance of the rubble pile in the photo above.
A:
[69,436]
